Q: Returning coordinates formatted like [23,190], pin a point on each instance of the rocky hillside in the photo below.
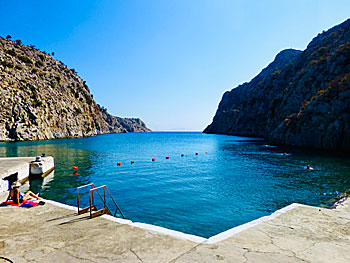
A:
[301,99]
[40,98]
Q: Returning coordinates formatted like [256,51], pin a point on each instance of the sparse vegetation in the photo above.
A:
[42,57]
[11,52]
[34,71]
[39,64]
[276,73]
[25,59]
[37,103]
[7,64]
[77,110]
[32,80]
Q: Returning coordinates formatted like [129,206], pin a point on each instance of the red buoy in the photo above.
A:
[75,173]
[132,162]
[119,163]
[153,159]
[75,167]
[182,155]
[167,157]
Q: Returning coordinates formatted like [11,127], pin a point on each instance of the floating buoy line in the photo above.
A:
[153,159]
[75,168]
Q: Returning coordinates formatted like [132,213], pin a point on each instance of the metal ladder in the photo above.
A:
[92,208]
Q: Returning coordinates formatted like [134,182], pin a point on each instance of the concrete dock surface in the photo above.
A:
[50,233]
[10,165]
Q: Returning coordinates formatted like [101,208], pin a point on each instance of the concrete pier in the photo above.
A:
[21,165]
[55,233]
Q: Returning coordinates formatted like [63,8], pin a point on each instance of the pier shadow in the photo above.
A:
[75,220]
[62,217]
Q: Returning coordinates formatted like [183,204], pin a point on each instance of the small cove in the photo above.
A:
[238,180]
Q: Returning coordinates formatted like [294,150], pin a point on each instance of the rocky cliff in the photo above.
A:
[40,98]
[301,99]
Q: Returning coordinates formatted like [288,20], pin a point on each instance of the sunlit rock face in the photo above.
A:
[40,98]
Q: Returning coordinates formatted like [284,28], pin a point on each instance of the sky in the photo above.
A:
[167,62]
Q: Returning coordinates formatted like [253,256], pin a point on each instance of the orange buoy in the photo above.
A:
[119,163]
[132,162]
[167,157]
[153,159]
[182,155]
[75,167]
[206,152]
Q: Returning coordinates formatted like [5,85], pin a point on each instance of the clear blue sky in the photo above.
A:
[167,62]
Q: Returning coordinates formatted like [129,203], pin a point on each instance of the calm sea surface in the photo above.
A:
[238,180]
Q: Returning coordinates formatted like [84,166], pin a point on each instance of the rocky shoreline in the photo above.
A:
[301,99]
[41,99]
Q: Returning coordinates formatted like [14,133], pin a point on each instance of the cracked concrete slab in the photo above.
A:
[55,234]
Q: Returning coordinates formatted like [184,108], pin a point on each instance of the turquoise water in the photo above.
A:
[238,180]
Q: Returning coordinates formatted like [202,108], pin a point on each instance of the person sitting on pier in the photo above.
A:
[19,197]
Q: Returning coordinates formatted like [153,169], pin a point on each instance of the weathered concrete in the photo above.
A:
[10,165]
[55,234]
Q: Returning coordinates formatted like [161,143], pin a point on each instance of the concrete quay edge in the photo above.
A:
[180,235]
[55,233]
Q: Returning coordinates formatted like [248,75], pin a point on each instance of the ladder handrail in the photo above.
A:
[104,200]
[79,187]
[92,200]
[85,185]
[115,204]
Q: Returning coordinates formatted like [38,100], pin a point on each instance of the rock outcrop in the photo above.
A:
[40,98]
[300,99]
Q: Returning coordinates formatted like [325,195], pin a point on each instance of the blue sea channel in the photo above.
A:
[231,181]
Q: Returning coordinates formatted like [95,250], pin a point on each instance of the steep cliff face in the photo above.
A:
[300,99]
[40,98]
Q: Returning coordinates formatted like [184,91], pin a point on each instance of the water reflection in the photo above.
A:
[237,180]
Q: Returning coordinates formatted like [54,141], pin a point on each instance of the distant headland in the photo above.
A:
[41,98]
[301,99]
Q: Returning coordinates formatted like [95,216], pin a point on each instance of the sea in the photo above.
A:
[197,183]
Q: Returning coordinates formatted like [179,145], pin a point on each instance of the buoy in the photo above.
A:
[182,155]
[119,163]
[196,153]
[153,159]
[132,162]
[167,157]
[75,173]
[206,152]
[75,167]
